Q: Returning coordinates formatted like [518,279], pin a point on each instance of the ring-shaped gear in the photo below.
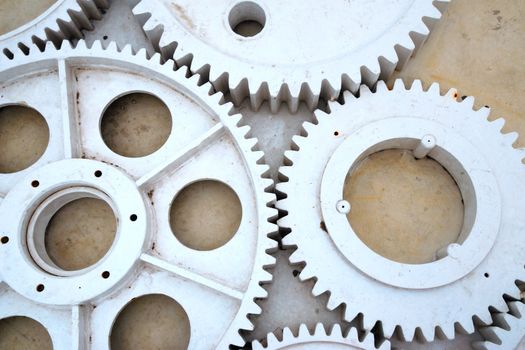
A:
[206,143]
[319,339]
[507,330]
[64,20]
[471,276]
[299,55]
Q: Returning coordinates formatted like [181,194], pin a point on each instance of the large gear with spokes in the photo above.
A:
[319,339]
[299,53]
[78,308]
[64,20]
[469,278]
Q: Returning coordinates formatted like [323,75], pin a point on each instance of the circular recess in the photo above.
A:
[152,321]
[136,125]
[23,333]
[80,233]
[24,135]
[15,13]
[404,208]
[247,19]
[205,215]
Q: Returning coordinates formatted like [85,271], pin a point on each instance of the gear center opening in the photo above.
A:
[403,208]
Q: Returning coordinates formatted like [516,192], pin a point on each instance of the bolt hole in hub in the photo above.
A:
[205,215]
[152,321]
[404,208]
[72,230]
[24,136]
[247,19]
[136,125]
[21,332]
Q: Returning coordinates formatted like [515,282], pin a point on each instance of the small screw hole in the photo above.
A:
[133,217]
[40,288]
[35,183]
[105,274]
[98,173]
[4,239]
[486,275]
[336,133]
[105,37]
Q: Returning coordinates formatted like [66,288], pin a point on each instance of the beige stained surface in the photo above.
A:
[478,48]
[15,13]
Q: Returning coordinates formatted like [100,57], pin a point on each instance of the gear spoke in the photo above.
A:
[67,103]
[164,265]
[182,155]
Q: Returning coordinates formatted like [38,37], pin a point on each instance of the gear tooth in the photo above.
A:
[381,86]
[244,130]
[351,80]
[308,127]
[368,323]
[306,274]
[295,257]
[272,341]
[479,345]
[150,25]
[364,90]
[338,332]
[408,334]
[332,303]
[498,124]
[49,47]
[112,46]
[256,345]
[434,89]
[468,102]
[287,333]
[491,334]
[97,45]
[428,332]
[511,138]
[448,331]
[417,85]
[128,50]
[142,53]
[370,73]
[318,288]
[388,329]
[319,329]
[237,340]
[303,330]
[399,85]
[452,93]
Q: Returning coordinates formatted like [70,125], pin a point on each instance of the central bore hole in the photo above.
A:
[15,13]
[205,215]
[80,233]
[152,321]
[136,125]
[247,19]
[404,208]
[23,333]
[24,136]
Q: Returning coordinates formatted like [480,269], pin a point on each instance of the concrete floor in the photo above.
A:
[477,49]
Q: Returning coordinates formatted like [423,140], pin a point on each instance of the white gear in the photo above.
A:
[71,87]
[472,274]
[507,332]
[65,19]
[319,340]
[306,50]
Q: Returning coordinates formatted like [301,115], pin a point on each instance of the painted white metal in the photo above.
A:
[206,143]
[64,20]
[469,276]
[300,54]
[319,339]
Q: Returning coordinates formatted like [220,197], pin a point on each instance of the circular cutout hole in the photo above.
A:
[35,183]
[98,173]
[24,136]
[336,133]
[79,233]
[152,321]
[205,215]
[21,12]
[133,217]
[23,333]
[403,208]
[40,288]
[105,274]
[247,19]
[136,125]
[4,240]
[486,275]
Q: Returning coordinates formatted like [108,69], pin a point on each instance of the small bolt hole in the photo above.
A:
[98,173]
[105,37]
[35,183]
[486,275]
[105,274]
[4,239]
[133,217]
[336,133]
[40,288]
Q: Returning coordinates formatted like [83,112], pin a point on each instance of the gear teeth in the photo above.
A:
[318,289]
[447,331]
[363,91]
[417,85]
[303,330]
[332,303]
[468,102]
[399,85]
[295,257]
[434,89]
[307,274]
[351,81]
[381,86]
[498,124]
[452,93]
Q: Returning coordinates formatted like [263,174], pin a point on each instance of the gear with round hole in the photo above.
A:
[468,278]
[78,307]
[319,339]
[63,20]
[298,53]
